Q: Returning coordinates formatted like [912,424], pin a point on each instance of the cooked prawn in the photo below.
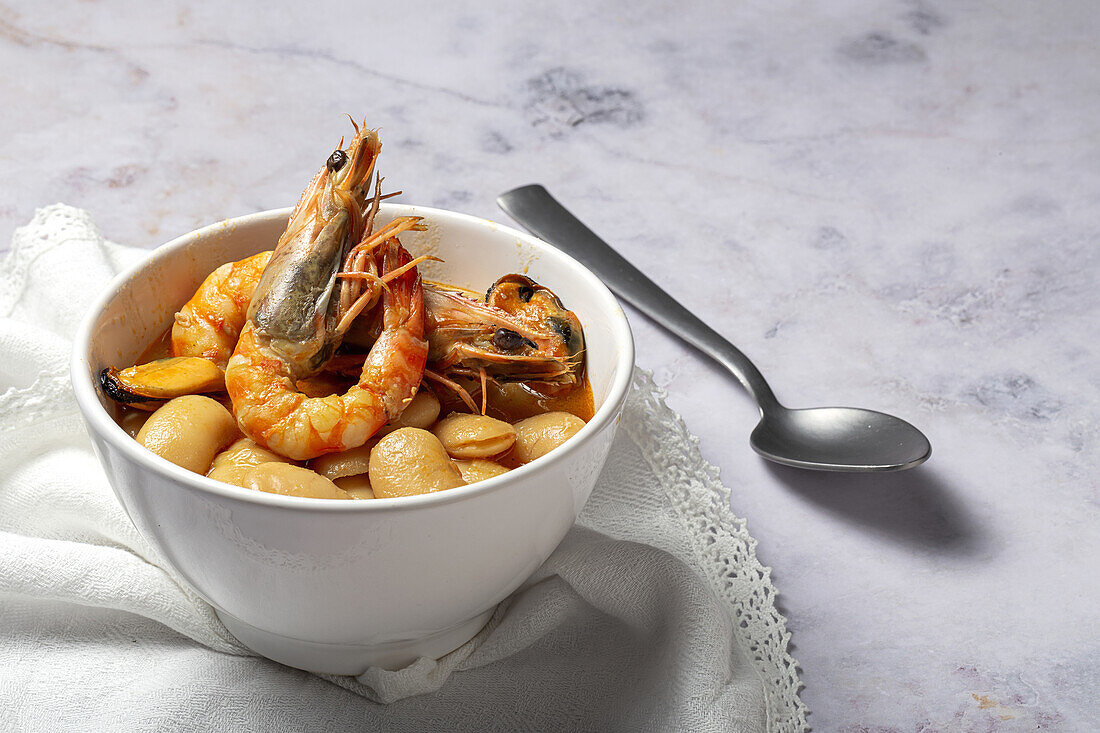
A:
[262,381]
[299,314]
[209,324]
[521,332]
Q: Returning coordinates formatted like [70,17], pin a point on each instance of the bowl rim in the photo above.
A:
[102,424]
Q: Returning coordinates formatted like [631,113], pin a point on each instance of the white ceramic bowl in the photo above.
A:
[337,586]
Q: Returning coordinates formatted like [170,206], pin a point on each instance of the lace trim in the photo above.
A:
[53,226]
[724,549]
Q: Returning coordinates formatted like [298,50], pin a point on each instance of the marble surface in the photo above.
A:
[892,205]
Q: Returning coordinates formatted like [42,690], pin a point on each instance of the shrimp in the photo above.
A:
[299,314]
[204,332]
[522,332]
[272,411]
[209,324]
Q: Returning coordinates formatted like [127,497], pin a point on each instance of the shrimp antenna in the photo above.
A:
[454,386]
[394,274]
[484,390]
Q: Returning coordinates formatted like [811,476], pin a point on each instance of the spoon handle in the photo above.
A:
[541,214]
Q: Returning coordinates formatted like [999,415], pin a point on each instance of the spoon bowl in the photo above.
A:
[839,439]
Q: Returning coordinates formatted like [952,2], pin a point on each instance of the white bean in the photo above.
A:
[421,412]
[283,478]
[358,486]
[411,461]
[478,469]
[230,474]
[351,462]
[189,431]
[474,436]
[513,398]
[536,436]
[245,452]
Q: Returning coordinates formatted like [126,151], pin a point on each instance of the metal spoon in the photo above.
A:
[822,438]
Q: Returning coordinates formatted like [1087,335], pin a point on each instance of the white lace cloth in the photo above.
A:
[653,614]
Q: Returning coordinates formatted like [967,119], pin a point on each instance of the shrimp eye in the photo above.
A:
[506,339]
[337,160]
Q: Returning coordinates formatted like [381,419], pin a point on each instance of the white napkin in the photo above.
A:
[653,614]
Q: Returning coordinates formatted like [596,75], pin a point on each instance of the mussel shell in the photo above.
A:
[162,380]
[117,390]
